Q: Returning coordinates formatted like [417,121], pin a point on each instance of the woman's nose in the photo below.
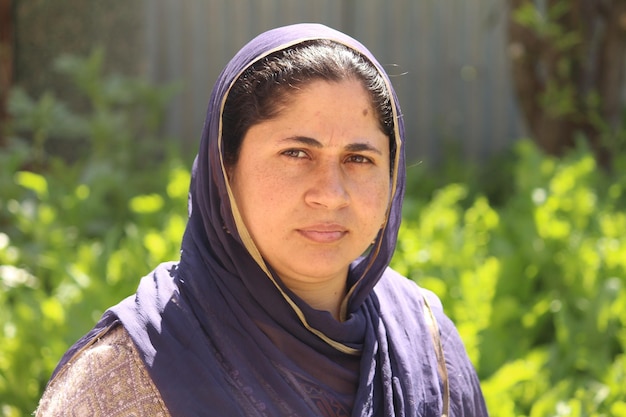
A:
[328,187]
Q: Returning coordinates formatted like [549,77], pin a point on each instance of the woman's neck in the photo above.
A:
[322,296]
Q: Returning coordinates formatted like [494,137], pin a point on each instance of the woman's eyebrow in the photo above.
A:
[352,147]
[304,140]
[362,147]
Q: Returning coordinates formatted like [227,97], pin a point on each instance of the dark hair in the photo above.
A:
[262,89]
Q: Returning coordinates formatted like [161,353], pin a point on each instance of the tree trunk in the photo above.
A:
[560,62]
[6,63]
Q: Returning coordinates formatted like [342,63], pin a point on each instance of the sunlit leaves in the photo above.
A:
[77,235]
[536,286]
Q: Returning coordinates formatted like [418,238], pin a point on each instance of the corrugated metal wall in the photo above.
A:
[447,59]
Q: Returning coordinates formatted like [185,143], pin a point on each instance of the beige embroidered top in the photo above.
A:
[107,379]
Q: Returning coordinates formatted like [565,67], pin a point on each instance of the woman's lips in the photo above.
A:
[323,233]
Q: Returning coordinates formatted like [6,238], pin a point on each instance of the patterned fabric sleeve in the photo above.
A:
[108,379]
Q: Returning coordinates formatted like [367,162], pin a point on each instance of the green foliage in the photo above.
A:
[546,24]
[535,284]
[76,234]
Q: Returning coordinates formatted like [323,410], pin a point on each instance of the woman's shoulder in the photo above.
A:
[403,290]
[105,378]
[404,299]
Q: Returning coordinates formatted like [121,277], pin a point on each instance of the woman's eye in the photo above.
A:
[359,159]
[295,153]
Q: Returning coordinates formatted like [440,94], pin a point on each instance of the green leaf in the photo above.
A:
[33,182]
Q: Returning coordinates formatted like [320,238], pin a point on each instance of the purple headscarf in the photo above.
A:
[221,335]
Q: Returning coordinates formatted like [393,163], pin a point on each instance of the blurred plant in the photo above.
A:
[55,283]
[536,285]
[116,130]
[77,233]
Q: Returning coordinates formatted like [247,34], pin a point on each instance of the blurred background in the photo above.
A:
[448,59]
[515,212]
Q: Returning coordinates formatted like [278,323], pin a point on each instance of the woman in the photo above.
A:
[271,309]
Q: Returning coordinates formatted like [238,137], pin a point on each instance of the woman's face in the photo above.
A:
[313,183]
